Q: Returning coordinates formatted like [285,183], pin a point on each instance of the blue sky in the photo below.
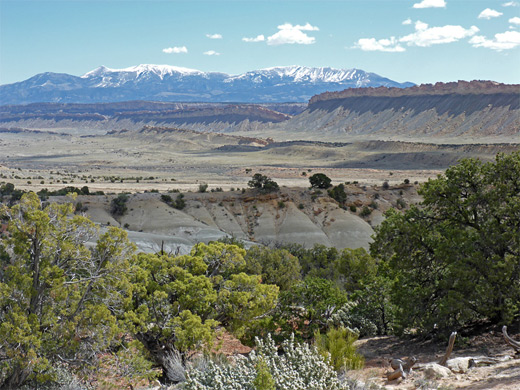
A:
[422,41]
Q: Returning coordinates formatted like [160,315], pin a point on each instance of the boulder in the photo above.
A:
[434,370]
[458,365]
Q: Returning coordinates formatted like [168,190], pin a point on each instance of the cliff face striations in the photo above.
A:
[135,115]
[481,109]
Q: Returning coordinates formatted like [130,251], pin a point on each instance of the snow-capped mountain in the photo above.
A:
[172,83]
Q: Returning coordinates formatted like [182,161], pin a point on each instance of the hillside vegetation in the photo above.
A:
[103,312]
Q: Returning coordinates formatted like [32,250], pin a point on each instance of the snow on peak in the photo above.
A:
[96,72]
[295,72]
[310,74]
[159,70]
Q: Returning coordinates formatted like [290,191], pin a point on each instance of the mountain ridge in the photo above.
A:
[170,83]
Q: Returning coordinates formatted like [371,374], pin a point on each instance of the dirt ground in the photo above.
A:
[378,351]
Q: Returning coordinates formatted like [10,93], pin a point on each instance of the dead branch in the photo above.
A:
[407,365]
[451,343]
[513,343]
[401,368]
[398,373]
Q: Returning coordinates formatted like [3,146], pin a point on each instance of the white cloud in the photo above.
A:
[510,4]
[305,27]
[259,38]
[430,4]
[175,49]
[211,53]
[515,20]
[214,36]
[289,34]
[489,13]
[502,41]
[407,21]
[372,44]
[425,36]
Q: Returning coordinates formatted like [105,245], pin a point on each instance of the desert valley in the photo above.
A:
[318,227]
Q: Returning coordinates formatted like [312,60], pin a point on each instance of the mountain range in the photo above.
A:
[175,84]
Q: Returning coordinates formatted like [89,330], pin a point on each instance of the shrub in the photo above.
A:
[166,199]
[339,344]
[264,380]
[308,305]
[263,183]
[281,204]
[406,181]
[80,208]
[203,187]
[320,180]
[118,205]
[191,295]
[7,189]
[386,185]
[353,208]
[179,203]
[275,266]
[348,317]
[365,212]
[301,206]
[338,194]
[401,204]
[300,367]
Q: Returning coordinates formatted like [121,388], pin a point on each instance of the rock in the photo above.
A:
[458,365]
[460,87]
[434,370]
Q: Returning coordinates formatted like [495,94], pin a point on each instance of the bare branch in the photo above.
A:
[451,343]
[514,344]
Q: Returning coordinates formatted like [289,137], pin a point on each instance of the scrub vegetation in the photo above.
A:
[78,300]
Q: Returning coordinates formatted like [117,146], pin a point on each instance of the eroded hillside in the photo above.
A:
[454,112]
[293,215]
[98,118]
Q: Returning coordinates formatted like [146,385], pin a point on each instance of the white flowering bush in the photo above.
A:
[300,367]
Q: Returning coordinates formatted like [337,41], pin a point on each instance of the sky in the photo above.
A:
[422,41]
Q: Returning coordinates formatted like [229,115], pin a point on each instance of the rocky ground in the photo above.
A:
[504,375]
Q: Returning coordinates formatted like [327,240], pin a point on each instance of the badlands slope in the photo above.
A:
[462,112]
[291,216]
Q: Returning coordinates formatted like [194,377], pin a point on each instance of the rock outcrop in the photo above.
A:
[464,110]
